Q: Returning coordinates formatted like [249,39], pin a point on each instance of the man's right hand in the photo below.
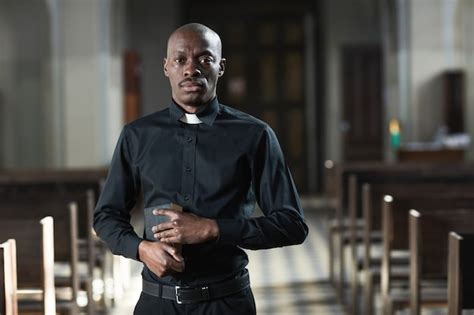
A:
[161,258]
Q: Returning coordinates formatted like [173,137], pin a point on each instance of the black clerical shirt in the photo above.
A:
[216,169]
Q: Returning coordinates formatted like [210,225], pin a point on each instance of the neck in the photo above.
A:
[193,109]
[190,109]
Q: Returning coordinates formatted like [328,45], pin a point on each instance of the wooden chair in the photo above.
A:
[8,281]
[35,262]
[460,275]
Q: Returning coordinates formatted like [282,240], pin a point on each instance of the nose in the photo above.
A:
[192,69]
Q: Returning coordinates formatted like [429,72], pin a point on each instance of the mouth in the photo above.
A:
[191,85]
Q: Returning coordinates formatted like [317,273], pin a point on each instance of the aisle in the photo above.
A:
[293,280]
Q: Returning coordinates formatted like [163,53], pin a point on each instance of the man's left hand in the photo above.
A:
[184,228]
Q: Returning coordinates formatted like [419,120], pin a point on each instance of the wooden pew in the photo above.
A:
[339,234]
[330,196]
[61,181]
[5,281]
[34,205]
[460,272]
[74,180]
[429,233]
[58,181]
[409,194]
[395,234]
[35,262]
[59,177]
[8,283]
[402,177]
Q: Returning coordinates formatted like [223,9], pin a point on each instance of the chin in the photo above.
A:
[194,100]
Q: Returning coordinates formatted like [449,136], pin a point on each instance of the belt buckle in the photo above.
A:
[176,291]
[205,293]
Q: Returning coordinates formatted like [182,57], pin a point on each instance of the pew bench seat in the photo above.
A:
[431,297]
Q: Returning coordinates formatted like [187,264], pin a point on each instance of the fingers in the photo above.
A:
[161,258]
[173,252]
[172,214]
[174,260]
[170,240]
[162,234]
[179,267]
[175,265]
[164,226]
[168,236]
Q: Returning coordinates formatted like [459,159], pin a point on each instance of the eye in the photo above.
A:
[180,60]
[206,60]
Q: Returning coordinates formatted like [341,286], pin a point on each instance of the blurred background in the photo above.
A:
[339,81]
[327,75]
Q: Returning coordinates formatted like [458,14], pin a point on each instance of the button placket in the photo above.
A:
[189,155]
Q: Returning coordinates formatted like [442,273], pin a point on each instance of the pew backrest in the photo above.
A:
[34,255]
[49,188]
[429,234]
[425,182]
[461,273]
[8,296]
[373,171]
[33,205]
[64,208]
[395,223]
[408,195]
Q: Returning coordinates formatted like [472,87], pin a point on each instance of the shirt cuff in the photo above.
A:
[229,231]
[131,249]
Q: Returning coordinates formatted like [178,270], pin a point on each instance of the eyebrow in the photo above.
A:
[206,52]
[201,53]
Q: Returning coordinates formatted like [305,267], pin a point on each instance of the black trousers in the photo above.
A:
[241,303]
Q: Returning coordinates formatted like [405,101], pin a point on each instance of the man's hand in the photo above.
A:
[184,228]
[161,258]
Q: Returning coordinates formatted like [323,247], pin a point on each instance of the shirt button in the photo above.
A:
[186,197]
[189,139]
[188,169]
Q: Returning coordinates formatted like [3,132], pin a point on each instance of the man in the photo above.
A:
[213,161]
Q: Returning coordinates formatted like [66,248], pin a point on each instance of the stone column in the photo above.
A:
[24,52]
[87,77]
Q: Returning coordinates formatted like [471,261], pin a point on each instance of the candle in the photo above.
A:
[394,133]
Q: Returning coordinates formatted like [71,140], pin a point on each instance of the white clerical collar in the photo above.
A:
[191,119]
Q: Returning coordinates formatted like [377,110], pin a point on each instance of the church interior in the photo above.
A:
[372,102]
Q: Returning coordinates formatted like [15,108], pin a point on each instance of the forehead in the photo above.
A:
[188,41]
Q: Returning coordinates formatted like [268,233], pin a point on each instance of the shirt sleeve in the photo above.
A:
[117,199]
[283,222]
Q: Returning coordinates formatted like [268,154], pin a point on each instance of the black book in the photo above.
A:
[151,220]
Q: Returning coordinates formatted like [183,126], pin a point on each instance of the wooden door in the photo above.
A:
[362,103]
[265,72]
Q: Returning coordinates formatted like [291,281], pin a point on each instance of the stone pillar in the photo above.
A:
[24,89]
[87,80]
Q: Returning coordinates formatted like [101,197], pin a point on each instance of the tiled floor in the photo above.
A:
[288,280]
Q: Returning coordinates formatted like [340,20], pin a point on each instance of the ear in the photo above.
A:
[222,67]
[165,68]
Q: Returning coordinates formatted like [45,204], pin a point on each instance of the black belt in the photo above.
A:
[187,295]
